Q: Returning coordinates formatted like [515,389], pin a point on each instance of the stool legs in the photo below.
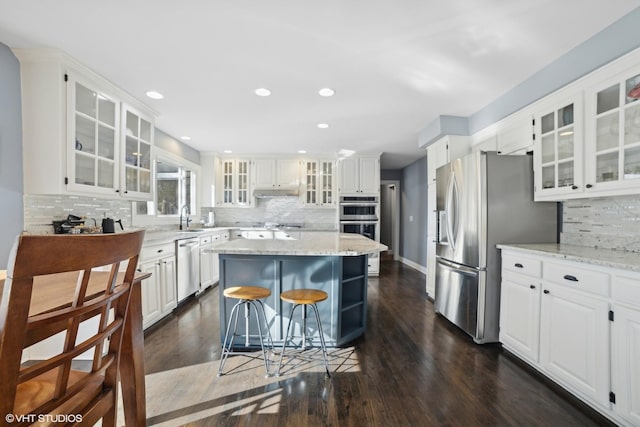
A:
[304,335]
[227,343]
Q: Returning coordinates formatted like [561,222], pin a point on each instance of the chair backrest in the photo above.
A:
[80,276]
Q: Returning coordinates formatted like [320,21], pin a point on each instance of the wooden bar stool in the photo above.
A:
[247,296]
[304,298]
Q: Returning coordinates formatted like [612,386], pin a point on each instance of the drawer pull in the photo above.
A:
[517,264]
[160,250]
[532,286]
[570,278]
[546,291]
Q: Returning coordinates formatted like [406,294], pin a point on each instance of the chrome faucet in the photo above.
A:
[188,220]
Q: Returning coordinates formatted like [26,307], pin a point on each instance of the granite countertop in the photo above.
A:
[318,244]
[595,256]
[166,236]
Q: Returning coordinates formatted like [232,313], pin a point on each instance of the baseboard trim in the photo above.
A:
[422,269]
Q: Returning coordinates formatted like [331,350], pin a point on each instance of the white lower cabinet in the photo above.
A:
[520,315]
[159,295]
[578,324]
[574,341]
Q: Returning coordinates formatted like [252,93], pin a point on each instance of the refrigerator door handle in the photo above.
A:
[462,269]
[452,211]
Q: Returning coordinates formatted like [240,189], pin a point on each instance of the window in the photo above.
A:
[175,190]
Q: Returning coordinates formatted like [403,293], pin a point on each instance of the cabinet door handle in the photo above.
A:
[160,250]
[570,278]
[532,286]
[517,264]
[546,291]
[574,187]
[588,185]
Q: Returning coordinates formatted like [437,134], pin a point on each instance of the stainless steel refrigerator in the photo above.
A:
[483,199]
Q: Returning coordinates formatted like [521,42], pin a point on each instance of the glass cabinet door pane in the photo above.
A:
[607,167]
[548,177]
[607,129]
[608,99]
[548,148]
[565,116]
[145,181]
[85,101]
[85,135]
[132,124]
[145,155]
[547,123]
[106,111]
[131,178]
[106,174]
[106,142]
[565,174]
[565,144]
[630,84]
[145,130]
[85,170]
[632,124]
[131,154]
[632,163]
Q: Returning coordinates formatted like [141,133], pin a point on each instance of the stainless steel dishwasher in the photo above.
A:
[188,282]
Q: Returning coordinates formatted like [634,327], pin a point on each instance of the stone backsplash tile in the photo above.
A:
[607,222]
[277,210]
[40,211]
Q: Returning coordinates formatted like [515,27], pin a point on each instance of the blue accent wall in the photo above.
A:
[11,187]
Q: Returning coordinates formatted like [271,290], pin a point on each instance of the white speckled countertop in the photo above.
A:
[316,244]
[603,257]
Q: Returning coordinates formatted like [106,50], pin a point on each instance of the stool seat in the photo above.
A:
[304,296]
[246,292]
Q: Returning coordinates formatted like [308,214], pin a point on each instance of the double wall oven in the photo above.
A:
[360,215]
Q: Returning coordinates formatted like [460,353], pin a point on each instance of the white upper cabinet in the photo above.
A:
[558,153]
[75,131]
[233,177]
[360,175]
[613,136]
[276,173]
[319,182]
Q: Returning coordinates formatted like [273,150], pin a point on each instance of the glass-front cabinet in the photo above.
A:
[94,119]
[109,148]
[558,151]
[613,145]
[138,140]
[234,178]
[319,181]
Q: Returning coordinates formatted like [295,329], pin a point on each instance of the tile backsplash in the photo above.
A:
[278,210]
[40,210]
[607,222]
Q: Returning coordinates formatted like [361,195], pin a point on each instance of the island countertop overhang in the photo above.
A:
[310,244]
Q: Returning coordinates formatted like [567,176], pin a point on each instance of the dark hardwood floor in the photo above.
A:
[412,368]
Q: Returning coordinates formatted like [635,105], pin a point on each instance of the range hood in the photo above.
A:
[273,193]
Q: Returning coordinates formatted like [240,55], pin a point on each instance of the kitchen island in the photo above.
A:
[333,262]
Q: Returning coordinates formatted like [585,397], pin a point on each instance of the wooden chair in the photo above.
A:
[50,389]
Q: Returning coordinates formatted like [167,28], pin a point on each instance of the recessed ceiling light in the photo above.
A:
[227,151]
[325,91]
[262,91]
[154,95]
[323,125]
[302,151]
[185,138]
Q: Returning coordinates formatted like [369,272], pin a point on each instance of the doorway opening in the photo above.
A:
[390,218]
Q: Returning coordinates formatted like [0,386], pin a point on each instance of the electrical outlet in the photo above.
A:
[410,218]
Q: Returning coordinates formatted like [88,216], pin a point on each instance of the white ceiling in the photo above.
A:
[395,65]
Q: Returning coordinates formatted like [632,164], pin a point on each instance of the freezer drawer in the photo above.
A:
[457,295]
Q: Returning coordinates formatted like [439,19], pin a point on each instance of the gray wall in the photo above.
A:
[172,145]
[10,153]
[413,234]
